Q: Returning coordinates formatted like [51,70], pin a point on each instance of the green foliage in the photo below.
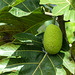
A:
[52,1]
[73,4]
[18,12]
[73,50]
[70,28]
[36,61]
[25,22]
[28,5]
[4,3]
[22,26]
[63,7]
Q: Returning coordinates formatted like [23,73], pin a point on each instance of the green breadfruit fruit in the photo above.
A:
[52,39]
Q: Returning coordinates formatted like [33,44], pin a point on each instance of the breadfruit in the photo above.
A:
[52,39]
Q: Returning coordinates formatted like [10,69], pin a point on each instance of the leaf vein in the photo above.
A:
[41,70]
[33,4]
[6,2]
[51,63]
[26,7]
[61,9]
[23,64]
[39,64]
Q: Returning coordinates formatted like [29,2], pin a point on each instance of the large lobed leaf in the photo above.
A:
[3,64]
[43,64]
[25,5]
[8,49]
[64,7]
[28,5]
[52,1]
[27,36]
[69,64]
[26,58]
[28,23]
[26,55]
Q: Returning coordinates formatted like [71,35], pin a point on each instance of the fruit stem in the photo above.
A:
[54,19]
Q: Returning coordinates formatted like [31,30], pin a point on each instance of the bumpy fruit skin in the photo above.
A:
[52,39]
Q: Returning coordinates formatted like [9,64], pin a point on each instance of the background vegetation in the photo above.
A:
[22,26]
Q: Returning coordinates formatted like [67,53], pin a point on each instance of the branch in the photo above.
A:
[62,26]
[48,13]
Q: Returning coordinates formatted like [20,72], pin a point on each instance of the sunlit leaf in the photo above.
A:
[18,12]
[67,62]
[60,9]
[69,15]
[8,49]
[61,71]
[3,64]
[70,28]
[52,1]
[64,7]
